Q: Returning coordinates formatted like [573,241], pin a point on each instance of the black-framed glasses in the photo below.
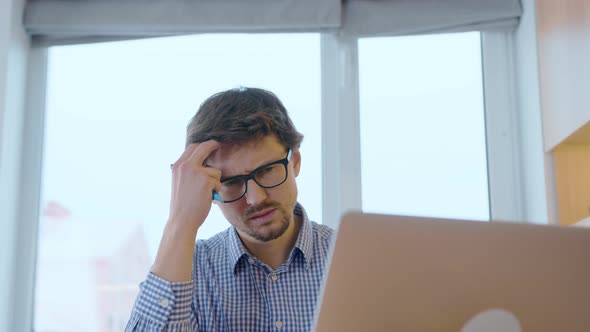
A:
[266,176]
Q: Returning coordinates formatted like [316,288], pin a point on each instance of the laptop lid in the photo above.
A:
[398,273]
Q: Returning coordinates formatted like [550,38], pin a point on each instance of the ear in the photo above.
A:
[296,161]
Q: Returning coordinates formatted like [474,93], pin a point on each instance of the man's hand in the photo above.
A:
[192,186]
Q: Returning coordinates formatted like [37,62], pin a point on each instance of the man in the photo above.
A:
[264,272]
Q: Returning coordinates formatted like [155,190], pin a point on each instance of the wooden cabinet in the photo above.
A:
[563,33]
[572,182]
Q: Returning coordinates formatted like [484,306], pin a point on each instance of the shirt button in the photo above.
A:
[278,324]
[250,260]
[164,303]
[274,277]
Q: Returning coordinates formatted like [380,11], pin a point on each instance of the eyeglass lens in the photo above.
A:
[267,177]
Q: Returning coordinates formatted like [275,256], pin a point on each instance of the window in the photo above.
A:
[423,142]
[116,118]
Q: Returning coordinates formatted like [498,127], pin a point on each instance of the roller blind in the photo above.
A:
[137,18]
[402,17]
[122,18]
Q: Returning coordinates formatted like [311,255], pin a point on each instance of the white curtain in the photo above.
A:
[119,19]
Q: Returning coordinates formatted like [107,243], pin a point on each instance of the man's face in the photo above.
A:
[262,214]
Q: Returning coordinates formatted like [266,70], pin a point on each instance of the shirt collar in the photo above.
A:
[305,238]
[236,248]
[304,241]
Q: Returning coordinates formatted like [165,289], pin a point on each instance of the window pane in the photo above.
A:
[422,126]
[116,119]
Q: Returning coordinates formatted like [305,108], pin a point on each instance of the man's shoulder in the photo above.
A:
[217,242]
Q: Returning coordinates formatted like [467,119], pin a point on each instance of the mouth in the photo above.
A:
[263,216]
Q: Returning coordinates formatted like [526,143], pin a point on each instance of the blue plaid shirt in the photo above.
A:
[232,290]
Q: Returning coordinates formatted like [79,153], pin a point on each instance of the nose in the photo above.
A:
[255,193]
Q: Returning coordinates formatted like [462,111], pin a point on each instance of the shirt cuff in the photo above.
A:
[164,302]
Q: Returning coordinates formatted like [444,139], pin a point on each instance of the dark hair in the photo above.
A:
[240,116]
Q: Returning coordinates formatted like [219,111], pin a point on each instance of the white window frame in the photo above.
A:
[340,144]
[502,139]
[341,131]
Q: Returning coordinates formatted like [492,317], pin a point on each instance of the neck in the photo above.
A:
[276,252]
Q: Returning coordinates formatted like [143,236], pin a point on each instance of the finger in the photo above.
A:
[203,151]
[213,173]
[187,153]
[215,176]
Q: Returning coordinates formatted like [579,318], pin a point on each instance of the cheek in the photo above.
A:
[231,211]
[287,193]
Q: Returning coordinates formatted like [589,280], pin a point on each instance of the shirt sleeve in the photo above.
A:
[163,306]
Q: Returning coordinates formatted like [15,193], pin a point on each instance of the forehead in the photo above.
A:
[236,159]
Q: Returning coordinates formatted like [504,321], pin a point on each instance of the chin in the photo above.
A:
[268,233]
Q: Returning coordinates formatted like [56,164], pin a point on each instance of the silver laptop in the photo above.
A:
[396,273]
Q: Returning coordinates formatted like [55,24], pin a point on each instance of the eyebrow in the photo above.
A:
[250,171]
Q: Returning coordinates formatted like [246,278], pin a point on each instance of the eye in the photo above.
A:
[235,182]
[265,170]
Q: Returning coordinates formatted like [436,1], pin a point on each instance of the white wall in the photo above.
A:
[14,48]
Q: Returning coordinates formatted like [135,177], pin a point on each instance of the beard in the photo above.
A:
[269,231]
